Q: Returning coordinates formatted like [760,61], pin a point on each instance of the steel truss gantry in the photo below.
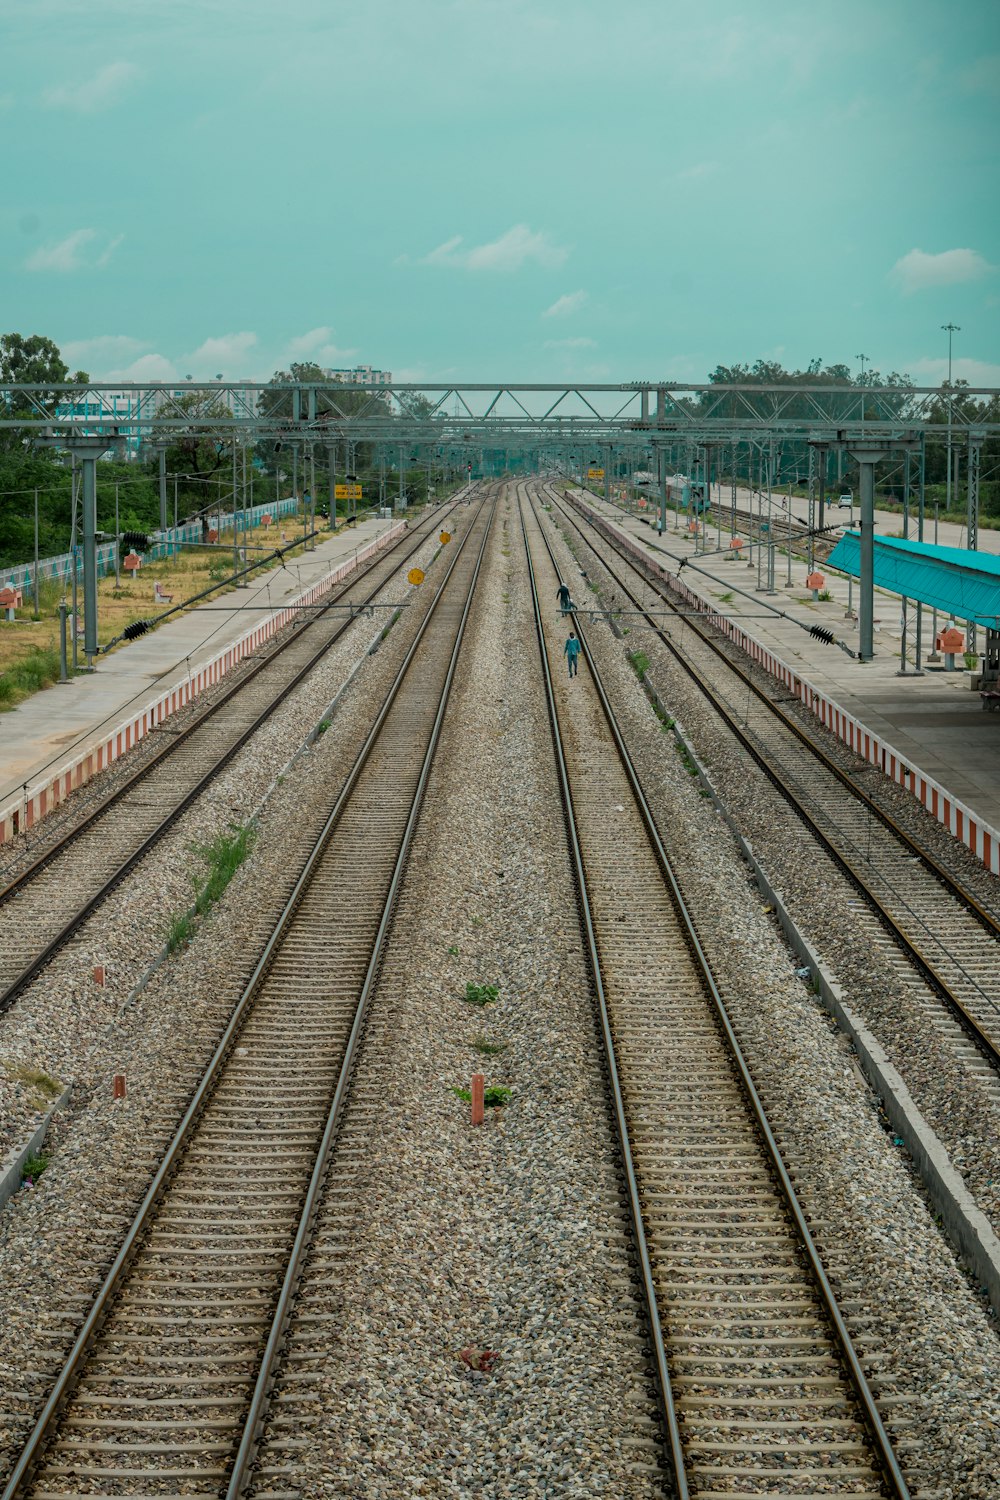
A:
[633,415]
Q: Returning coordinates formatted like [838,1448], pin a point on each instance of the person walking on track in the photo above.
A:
[565,602]
[572,652]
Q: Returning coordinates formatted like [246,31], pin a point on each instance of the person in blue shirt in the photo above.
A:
[572,652]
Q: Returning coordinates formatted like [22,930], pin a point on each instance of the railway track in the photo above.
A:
[48,901]
[763,1391]
[728,520]
[927,919]
[167,1384]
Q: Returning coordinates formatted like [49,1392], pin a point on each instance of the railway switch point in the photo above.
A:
[118,1086]
[478,1106]
[99,975]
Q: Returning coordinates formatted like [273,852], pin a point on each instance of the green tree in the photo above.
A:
[35,360]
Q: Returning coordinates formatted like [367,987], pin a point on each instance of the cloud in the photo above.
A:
[698,170]
[99,92]
[67,255]
[918,270]
[226,355]
[932,370]
[984,75]
[565,306]
[104,348]
[316,347]
[109,250]
[515,247]
[570,343]
[149,367]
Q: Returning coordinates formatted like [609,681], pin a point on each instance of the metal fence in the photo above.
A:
[162,544]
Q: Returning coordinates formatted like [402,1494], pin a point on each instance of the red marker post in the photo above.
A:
[478,1107]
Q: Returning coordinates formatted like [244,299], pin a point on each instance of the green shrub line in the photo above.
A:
[37,670]
[223,855]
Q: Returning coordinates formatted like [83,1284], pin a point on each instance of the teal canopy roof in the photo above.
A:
[964,585]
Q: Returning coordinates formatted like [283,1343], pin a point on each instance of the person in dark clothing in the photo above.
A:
[565,602]
[572,652]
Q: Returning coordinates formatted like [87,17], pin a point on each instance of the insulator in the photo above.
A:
[135,541]
[820,633]
[135,630]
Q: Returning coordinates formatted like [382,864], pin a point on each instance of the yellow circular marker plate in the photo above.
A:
[415,575]
[444,537]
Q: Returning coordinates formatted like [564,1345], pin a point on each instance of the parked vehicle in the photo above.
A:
[846,501]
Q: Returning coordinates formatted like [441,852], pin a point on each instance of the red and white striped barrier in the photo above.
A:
[960,821]
[35,802]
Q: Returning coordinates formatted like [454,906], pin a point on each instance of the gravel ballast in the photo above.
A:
[928,1337]
[507,1238]
[57,1239]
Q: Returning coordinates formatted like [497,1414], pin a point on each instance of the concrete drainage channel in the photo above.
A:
[12,1170]
[966,1225]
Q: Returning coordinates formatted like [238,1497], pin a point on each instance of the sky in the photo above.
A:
[516,190]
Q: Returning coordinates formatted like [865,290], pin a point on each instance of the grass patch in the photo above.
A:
[323,726]
[481,994]
[224,855]
[35,1166]
[45,1088]
[639,662]
[725,598]
[493,1097]
[685,755]
[453,951]
[486,1047]
[38,669]
[180,932]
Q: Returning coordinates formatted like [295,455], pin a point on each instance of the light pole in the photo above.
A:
[863,358]
[950,329]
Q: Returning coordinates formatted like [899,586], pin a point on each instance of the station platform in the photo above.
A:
[57,739]
[928,730]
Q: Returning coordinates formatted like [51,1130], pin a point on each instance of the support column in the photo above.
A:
[86,451]
[607,473]
[163,489]
[972,511]
[661,479]
[867,458]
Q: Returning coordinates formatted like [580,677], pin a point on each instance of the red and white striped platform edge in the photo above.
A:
[959,820]
[34,802]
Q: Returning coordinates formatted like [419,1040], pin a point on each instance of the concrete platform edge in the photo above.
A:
[980,837]
[11,1169]
[965,1223]
[36,801]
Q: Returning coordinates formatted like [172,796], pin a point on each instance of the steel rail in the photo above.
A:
[242,1467]
[880,1438]
[32,1453]
[669,1411]
[990,922]
[31,971]
[923,964]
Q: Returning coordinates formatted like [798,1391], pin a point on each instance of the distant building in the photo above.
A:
[360,375]
[95,411]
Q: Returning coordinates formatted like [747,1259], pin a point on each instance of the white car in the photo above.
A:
[846,501]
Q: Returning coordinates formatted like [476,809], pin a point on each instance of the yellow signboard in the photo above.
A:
[444,537]
[595,473]
[415,576]
[347,491]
